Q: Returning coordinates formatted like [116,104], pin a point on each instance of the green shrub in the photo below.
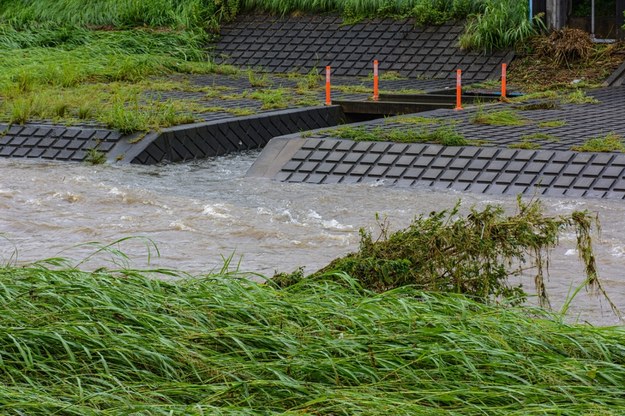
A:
[475,255]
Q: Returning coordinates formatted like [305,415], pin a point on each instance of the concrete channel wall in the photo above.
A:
[216,138]
[176,144]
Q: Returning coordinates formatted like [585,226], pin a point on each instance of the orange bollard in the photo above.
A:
[504,82]
[328,87]
[458,90]
[376,81]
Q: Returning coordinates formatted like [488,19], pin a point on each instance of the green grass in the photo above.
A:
[160,342]
[175,14]
[579,97]
[528,141]
[417,120]
[612,142]
[549,94]
[95,157]
[552,124]
[540,136]
[503,23]
[525,145]
[126,342]
[271,99]
[56,56]
[258,80]
[425,11]
[542,105]
[499,118]
[444,135]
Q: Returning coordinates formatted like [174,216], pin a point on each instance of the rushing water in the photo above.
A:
[198,213]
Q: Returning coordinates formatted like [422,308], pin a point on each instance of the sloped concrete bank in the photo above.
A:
[180,143]
[487,170]
[493,167]
[216,138]
[304,43]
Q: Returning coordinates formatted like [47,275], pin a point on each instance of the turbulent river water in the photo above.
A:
[199,213]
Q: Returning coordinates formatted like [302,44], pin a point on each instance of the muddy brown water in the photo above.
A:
[198,213]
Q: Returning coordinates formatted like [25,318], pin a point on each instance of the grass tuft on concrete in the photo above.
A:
[611,142]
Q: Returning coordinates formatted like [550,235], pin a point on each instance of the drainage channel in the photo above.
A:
[397,104]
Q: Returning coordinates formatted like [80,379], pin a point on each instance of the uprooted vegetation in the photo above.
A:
[563,59]
[474,254]
[565,46]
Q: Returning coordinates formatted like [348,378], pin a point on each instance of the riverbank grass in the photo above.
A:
[124,342]
[420,321]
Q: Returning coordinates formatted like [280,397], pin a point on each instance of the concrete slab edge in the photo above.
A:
[616,78]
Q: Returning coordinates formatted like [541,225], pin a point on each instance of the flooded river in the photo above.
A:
[198,213]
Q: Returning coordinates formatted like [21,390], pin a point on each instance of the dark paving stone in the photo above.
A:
[414,52]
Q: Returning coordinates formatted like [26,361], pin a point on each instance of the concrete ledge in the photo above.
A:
[276,154]
[175,144]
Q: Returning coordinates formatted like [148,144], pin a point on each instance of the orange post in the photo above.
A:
[328,87]
[458,90]
[504,81]
[376,81]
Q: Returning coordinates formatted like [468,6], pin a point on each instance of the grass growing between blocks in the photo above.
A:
[612,142]
[499,118]
[444,135]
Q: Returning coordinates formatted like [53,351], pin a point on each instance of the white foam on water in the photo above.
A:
[567,206]
[285,216]
[218,211]
[180,226]
[377,183]
[618,251]
[335,225]
[67,196]
[6,193]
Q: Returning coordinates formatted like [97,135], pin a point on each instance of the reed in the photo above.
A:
[129,342]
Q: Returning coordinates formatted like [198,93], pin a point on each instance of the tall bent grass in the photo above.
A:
[120,342]
[187,14]
[503,24]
